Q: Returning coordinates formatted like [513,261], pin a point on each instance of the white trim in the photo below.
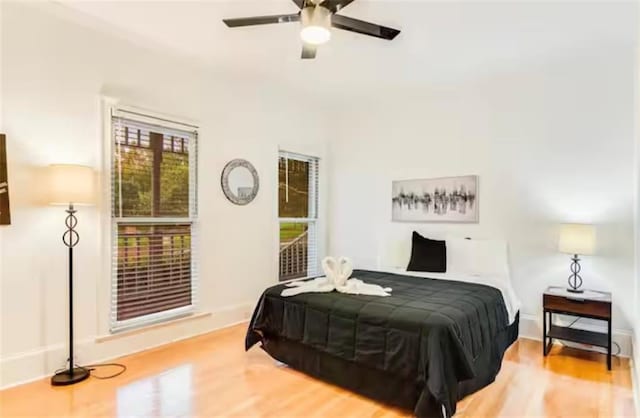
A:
[37,364]
[111,108]
[635,362]
[635,386]
[153,319]
[297,220]
[297,155]
[137,330]
[321,153]
[314,222]
[130,220]
[635,371]
[103,288]
[152,117]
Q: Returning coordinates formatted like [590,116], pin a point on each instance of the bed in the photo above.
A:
[436,339]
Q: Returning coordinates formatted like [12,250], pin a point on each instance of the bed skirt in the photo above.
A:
[380,385]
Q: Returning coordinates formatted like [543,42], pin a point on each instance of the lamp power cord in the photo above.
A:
[619,350]
[93,367]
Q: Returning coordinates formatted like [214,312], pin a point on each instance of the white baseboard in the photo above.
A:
[531,328]
[25,367]
[33,365]
[635,372]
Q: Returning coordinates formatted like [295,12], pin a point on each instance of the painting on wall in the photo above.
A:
[5,214]
[447,199]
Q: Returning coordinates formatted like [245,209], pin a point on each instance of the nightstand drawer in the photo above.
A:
[592,308]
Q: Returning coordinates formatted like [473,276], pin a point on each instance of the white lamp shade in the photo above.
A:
[71,184]
[577,239]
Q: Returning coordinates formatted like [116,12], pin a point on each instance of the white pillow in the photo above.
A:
[477,257]
[491,258]
[460,256]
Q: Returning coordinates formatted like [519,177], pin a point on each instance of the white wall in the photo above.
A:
[1,130]
[552,142]
[54,72]
[635,372]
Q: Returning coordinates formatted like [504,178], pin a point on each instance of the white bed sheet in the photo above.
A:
[503,284]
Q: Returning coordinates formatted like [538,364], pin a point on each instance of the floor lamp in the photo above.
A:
[70,186]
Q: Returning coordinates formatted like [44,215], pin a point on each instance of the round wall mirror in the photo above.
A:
[240,182]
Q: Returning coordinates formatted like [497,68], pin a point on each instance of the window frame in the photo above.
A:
[114,110]
[313,220]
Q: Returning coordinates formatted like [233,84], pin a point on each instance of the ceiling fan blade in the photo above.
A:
[262,20]
[309,51]
[365,28]
[336,5]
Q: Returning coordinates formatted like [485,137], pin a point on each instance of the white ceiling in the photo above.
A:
[442,42]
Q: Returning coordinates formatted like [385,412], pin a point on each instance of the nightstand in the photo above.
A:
[590,304]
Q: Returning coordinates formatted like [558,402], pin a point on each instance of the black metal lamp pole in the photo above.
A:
[70,238]
[575,280]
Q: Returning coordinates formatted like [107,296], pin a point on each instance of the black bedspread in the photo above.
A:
[442,339]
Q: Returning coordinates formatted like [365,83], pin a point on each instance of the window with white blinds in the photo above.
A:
[154,208]
[298,215]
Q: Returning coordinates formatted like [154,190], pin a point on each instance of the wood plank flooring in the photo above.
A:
[211,376]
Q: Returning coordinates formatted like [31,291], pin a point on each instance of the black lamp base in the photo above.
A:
[65,378]
[575,280]
[72,374]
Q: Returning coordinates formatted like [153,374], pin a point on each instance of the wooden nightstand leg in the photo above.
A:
[544,333]
[548,341]
[609,346]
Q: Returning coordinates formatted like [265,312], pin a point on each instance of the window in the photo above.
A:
[153,191]
[298,215]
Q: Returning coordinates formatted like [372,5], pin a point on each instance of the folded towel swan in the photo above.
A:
[337,273]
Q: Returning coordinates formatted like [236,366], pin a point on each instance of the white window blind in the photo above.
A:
[298,178]
[154,209]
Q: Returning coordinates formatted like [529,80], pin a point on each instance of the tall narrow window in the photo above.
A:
[153,215]
[298,215]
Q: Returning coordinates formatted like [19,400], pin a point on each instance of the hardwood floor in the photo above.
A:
[211,376]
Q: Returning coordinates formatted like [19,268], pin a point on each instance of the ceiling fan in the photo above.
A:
[317,17]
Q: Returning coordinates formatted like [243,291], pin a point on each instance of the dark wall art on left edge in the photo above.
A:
[5,212]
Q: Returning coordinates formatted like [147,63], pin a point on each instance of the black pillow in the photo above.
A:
[427,255]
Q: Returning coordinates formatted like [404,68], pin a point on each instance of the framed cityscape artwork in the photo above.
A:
[447,199]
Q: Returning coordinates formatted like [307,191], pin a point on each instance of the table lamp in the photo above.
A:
[70,186]
[576,239]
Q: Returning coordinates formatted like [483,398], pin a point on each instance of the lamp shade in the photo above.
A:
[70,184]
[577,239]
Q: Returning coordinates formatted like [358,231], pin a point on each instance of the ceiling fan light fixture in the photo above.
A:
[317,19]
[316,25]
[315,35]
